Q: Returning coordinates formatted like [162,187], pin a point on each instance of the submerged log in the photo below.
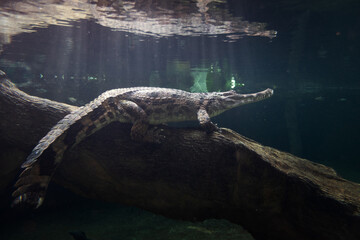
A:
[191,175]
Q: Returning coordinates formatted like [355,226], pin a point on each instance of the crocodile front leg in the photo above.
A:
[205,121]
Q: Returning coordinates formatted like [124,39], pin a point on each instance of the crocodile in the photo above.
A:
[141,106]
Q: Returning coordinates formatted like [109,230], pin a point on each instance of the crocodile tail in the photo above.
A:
[41,164]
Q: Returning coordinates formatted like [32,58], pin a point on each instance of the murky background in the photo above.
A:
[308,52]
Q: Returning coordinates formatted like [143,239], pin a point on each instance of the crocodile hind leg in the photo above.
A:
[131,111]
[140,129]
[34,180]
[42,163]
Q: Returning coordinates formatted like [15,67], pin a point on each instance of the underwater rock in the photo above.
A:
[192,175]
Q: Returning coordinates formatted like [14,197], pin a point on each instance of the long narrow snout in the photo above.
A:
[232,99]
[253,97]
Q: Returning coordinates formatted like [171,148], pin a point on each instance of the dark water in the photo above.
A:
[308,52]
[110,221]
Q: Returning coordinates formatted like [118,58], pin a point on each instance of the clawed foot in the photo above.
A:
[141,132]
[205,122]
[138,130]
[155,135]
[210,127]
[28,200]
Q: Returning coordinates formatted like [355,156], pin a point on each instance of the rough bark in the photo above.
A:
[191,175]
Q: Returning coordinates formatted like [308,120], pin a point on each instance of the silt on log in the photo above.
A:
[191,175]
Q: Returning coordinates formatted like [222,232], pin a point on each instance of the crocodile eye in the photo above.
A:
[229,93]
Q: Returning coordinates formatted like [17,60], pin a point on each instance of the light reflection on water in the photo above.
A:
[166,18]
